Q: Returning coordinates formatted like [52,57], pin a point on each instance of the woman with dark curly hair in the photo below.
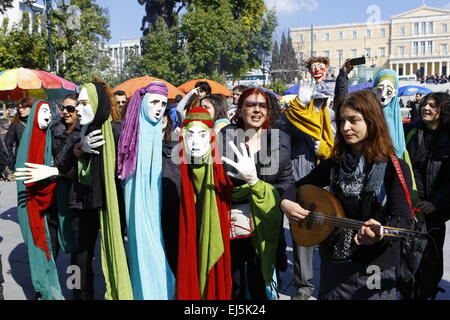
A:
[428,144]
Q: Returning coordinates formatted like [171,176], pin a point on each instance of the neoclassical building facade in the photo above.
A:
[415,40]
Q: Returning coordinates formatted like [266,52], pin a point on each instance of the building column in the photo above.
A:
[411,69]
[404,69]
[433,68]
[426,69]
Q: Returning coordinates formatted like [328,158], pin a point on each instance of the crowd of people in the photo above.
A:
[189,195]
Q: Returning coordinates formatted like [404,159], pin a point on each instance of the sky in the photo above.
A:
[126,15]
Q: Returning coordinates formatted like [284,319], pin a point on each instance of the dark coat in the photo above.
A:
[429,152]
[171,195]
[395,213]
[12,141]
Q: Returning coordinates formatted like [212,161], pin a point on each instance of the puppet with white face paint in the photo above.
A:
[140,168]
[385,87]
[204,270]
[33,201]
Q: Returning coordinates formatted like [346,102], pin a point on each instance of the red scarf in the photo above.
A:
[40,196]
[219,283]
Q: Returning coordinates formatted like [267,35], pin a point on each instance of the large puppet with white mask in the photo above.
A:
[96,171]
[385,87]
[33,201]
[309,111]
[204,262]
[140,167]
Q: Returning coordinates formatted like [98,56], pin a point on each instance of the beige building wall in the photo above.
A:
[389,44]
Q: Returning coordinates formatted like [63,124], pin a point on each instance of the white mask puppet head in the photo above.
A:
[157,104]
[197,141]
[44,116]
[385,92]
[84,108]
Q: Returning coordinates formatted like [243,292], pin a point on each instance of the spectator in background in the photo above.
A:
[216,105]
[204,89]
[414,108]
[121,101]
[15,130]
[237,91]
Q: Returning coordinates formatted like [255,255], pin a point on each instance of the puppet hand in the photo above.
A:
[92,141]
[306,91]
[316,146]
[35,172]
[245,166]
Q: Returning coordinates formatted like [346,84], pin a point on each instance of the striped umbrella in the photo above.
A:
[21,82]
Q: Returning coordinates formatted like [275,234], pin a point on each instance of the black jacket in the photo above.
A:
[171,195]
[395,212]
[12,141]
[429,152]
[273,164]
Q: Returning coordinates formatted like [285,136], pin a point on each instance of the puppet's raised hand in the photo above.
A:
[92,141]
[306,91]
[245,166]
[35,172]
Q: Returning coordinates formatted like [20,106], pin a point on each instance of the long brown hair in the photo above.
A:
[26,102]
[377,145]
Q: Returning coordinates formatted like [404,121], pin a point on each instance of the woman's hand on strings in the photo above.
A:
[366,236]
[293,211]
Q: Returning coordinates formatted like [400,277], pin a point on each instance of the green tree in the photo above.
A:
[21,48]
[287,61]
[275,65]
[5,5]
[79,44]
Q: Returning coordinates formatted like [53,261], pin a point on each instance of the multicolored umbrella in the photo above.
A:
[216,88]
[131,85]
[22,82]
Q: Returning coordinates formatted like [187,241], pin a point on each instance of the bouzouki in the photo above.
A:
[326,214]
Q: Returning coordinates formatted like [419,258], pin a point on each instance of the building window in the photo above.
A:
[402,31]
[326,36]
[444,48]
[401,51]
[314,53]
[314,37]
[326,53]
[300,38]
[430,29]
[301,56]
[354,35]
[353,53]
[382,33]
[382,52]
[416,48]
[368,34]
[341,56]
[341,35]
[430,47]
[444,28]
[422,48]
[367,52]
[416,28]
[424,28]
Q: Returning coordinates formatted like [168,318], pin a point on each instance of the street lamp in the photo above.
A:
[48,10]
[262,56]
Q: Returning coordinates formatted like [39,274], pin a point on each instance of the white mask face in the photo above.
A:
[197,141]
[84,108]
[44,116]
[385,92]
[156,106]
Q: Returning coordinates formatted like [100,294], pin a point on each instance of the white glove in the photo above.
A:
[92,141]
[35,172]
[245,166]
[316,146]
[306,91]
